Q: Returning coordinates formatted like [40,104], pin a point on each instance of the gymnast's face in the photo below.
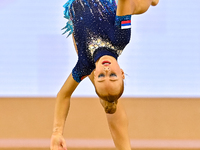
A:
[108,77]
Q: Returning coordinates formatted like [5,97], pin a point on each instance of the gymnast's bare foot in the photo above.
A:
[154,2]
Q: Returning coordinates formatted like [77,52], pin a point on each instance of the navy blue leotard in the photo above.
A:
[97,32]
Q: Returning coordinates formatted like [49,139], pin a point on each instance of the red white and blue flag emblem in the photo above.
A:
[126,24]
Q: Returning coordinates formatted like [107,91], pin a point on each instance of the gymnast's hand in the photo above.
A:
[58,142]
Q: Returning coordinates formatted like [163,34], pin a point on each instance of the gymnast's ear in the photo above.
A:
[94,74]
[123,76]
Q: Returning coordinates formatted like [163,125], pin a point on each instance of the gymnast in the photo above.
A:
[100,30]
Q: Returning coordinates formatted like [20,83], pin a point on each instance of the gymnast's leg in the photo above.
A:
[131,7]
[118,124]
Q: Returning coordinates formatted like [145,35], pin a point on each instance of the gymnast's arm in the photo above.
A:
[61,112]
[63,103]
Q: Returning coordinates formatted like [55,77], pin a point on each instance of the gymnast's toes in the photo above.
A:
[154,2]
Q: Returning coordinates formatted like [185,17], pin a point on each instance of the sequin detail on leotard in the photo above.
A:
[69,25]
[97,31]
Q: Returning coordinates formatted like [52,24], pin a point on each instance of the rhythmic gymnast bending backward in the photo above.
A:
[100,30]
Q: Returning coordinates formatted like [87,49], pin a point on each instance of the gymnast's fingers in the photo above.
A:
[58,143]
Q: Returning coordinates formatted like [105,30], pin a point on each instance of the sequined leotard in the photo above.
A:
[97,31]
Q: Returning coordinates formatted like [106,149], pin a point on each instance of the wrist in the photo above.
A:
[57,131]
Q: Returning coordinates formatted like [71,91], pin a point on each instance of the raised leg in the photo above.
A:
[154,2]
[131,7]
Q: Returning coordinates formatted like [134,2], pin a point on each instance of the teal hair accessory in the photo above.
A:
[69,25]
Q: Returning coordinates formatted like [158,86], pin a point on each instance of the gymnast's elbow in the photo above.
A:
[63,95]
